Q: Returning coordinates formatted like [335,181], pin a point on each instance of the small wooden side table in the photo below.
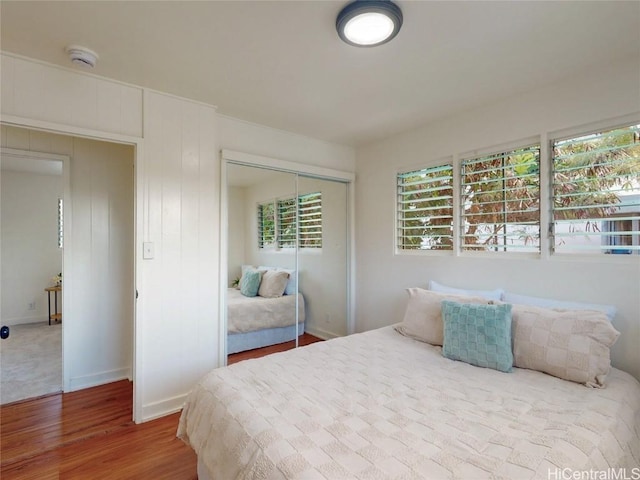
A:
[55,316]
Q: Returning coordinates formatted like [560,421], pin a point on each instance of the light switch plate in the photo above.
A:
[147,250]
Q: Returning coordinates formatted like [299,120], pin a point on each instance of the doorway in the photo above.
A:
[32,201]
[98,304]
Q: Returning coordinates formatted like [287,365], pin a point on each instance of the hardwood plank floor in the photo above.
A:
[89,434]
[304,339]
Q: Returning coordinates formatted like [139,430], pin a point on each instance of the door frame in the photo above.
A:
[138,186]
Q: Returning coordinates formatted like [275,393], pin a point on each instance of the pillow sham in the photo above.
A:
[293,278]
[488,294]
[250,282]
[570,344]
[423,315]
[273,283]
[478,334]
[509,297]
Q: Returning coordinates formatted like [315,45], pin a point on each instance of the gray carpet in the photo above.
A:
[30,362]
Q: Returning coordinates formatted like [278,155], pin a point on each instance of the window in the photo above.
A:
[60,224]
[425,209]
[277,222]
[287,223]
[310,208]
[266,225]
[500,201]
[596,192]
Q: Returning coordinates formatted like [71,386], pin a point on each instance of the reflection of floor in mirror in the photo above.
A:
[304,339]
[30,361]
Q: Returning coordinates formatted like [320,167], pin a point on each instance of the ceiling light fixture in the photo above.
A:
[368,23]
[82,56]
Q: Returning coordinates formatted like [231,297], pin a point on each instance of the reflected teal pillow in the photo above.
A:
[478,334]
[250,282]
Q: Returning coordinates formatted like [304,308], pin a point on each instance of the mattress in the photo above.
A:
[247,314]
[379,405]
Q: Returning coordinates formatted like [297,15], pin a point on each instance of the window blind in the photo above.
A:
[596,192]
[266,225]
[287,223]
[310,220]
[500,201]
[425,209]
[60,223]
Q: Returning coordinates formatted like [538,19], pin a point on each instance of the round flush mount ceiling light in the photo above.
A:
[368,23]
[82,56]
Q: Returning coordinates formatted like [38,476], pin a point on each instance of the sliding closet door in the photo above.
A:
[323,255]
[261,209]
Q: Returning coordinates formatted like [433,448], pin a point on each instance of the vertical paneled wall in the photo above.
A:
[42,92]
[179,290]
[99,327]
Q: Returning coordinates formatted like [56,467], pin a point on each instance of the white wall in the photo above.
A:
[98,280]
[236,232]
[246,137]
[178,334]
[30,253]
[599,94]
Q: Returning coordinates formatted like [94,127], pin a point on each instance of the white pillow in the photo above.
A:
[273,283]
[608,310]
[293,278]
[488,294]
[423,315]
[569,344]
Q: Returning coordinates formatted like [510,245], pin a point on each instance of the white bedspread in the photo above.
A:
[379,405]
[246,314]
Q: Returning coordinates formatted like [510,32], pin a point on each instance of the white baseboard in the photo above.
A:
[318,332]
[93,380]
[162,408]
[23,320]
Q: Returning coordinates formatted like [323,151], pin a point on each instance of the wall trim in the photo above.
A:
[162,408]
[87,381]
[318,332]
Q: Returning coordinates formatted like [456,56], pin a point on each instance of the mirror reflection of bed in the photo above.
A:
[297,250]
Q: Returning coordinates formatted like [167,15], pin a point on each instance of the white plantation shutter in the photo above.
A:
[596,192]
[287,223]
[500,200]
[310,220]
[425,209]
[266,225]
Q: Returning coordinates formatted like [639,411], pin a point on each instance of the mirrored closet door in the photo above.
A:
[323,255]
[287,259]
[262,304]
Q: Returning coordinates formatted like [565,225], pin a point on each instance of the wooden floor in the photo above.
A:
[89,435]
[304,339]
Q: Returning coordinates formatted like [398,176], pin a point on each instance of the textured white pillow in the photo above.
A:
[423,315]
[293,278]
[509,297]
[569,344]
[273,283]
[488,294]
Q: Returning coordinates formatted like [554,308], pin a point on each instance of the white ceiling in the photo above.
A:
[281,63]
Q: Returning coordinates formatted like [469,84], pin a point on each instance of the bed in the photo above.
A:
[255,322]
[381,405]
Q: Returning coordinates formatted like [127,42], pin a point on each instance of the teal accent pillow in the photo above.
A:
[478,334]
[250,283]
